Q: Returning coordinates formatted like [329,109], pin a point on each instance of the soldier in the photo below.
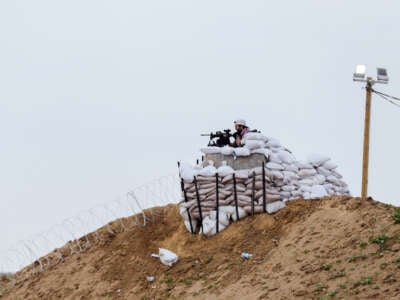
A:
[241,129]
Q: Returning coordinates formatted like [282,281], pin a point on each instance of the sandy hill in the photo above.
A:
[334,248]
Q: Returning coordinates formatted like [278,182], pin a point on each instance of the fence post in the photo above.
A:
[187,209]
[217,206]
[253,193]
[264,192]
[235,196]
[198,202]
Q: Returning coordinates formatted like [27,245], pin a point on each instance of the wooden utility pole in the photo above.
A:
[364,186]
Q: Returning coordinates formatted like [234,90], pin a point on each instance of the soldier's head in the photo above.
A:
[240,124]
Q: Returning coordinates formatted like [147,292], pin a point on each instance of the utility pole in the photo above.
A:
[382,77]
[367,125]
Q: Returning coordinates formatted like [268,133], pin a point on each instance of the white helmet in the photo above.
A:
[240,122]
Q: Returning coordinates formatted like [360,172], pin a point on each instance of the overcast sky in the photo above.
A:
[97,97]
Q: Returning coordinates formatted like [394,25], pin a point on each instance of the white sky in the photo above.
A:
[97,97]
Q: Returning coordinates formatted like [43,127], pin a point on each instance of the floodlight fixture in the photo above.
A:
[359,74]
[382,76]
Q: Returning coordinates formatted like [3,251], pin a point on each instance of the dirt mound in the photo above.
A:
[335,248]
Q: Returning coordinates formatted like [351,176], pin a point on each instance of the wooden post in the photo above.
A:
[264,191]
[364,186]
[235,196]
[187,209]
[217,191]
[198,202]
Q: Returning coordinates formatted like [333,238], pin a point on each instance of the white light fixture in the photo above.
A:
[359,74]
[382,75]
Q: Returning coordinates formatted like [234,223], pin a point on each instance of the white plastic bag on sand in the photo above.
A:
[167,257]
[242,151]
[225,170]
[227,150]
[208,171]
[275,206]
[211,150]
[317,159]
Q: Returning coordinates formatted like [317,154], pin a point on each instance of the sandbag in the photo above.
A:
[317,159]
[211,150]
[275,206]
[227,150]
[274,166]
[253,144]
[242,151]
[225,170]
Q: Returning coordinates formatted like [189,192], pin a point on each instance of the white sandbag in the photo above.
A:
[304,173]
[242,174]
[211,150]
[317,159]
[288,188]
[241,212]
[253,144]
[306,181]
[187,172]
[227,150]
[305,188]
[297,194]
[291,167]
[274,157]
[255,136]
[194,225]
[208,171]
[167,257]
[336,174]
[223,217]
[324,171]
[319,179]
[286,157]
[272,142]
[242,151]
[274,166]
[290,175]
[275,206]
[329,165]
[266,152]
[318,191]
[332,179]
[225,170]
[285,194]
[303,165]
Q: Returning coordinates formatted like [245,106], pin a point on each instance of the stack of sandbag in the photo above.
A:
[285,179]
[249,189]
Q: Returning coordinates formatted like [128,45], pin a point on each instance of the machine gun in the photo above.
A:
[219,138]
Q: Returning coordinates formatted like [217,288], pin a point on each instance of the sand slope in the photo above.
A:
[317,249]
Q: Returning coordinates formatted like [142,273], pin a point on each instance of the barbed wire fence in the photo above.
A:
[78,233]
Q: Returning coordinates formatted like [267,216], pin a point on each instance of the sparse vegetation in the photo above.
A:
[357,258]
[363,245]
[380,240]
[338,274]
[396,215]
[326,267]
[367,280]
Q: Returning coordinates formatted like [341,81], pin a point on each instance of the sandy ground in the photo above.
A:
[334,248]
